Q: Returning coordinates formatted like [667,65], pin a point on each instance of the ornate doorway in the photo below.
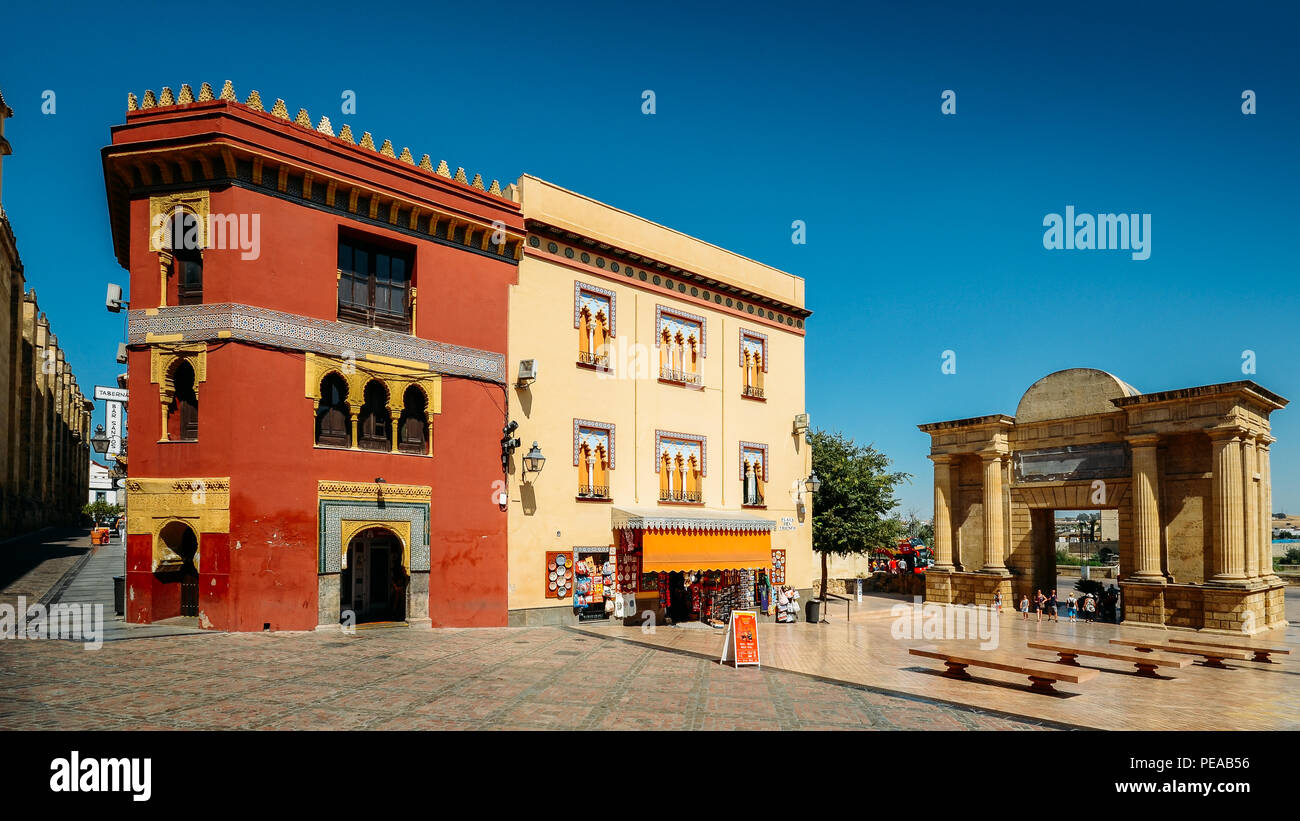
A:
[373,583]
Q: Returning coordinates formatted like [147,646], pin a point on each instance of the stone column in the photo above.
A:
[1265,542]
[1229,540]
[396,419]
[994,546]
[1250,506]
[942,512]
[1146,510]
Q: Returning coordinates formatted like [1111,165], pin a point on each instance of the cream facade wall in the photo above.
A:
[545,512]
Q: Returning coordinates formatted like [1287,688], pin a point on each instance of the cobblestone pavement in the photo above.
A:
[30,565]
[403,679]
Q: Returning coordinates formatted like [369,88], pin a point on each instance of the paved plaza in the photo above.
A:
[841,675]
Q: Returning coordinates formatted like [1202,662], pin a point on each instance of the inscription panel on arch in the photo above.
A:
[1073,462]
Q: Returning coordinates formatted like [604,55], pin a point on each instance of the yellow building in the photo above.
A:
[663,380]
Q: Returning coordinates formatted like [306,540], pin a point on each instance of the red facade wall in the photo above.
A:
[256,422]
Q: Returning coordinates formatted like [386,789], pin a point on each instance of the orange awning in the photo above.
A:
[665,552]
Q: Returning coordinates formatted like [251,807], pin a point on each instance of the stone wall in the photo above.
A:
[44,418]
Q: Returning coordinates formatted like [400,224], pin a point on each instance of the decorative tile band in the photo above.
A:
[334,512]
[589,296]
[264,326]
[757,449]
[690,438]
[579,437]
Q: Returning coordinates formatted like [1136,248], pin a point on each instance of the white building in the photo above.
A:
[101,484]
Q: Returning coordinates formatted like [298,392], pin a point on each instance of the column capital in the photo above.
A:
[942,458]
[993,453]
[1263,440]
[1143,440]
[1225,433]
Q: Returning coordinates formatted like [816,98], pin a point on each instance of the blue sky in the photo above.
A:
[924,230]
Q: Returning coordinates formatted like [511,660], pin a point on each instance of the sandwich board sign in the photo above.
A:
[741,641]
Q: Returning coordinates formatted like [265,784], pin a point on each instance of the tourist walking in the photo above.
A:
[1039,601]
[1024,607]
[997,602]
[1072,608]
[1051,607]
[1089,608]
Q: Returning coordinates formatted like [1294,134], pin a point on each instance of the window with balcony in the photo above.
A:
[593,456]
[681,342]
[185,405]
[681,468]
[375,283]
[332,417]
[593,317]
[373,432]
[413,426]
[753,474]
[753,359]
[185,245]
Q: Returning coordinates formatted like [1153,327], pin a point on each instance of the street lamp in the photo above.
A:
[812,483]
[100,440]
[534,459]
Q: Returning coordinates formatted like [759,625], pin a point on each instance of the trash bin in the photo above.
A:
[813,611]
[119,595]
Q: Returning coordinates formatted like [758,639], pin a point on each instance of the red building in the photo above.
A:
[316,368]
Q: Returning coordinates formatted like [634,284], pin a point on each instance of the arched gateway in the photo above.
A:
[1187,470]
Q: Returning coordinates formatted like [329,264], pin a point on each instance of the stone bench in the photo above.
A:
[1261,653]
[1214,656]
[1146,663]
[1041,678]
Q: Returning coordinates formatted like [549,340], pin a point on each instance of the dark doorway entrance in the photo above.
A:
[373,585]
[180,567]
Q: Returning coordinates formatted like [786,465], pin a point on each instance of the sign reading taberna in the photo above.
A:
[103,393]
[1105,461]
[741,641]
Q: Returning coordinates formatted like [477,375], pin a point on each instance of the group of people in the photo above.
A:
[1088,607]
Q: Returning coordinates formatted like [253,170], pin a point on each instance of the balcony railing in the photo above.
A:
[692,496]
[598,361]
[593,492]
[754,499]
[753,390]
[674,375]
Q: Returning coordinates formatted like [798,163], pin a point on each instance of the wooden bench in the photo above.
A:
[1041,678]
[1261,653]
[1146,663]
[1214,656]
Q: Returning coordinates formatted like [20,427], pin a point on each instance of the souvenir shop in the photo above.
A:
[701,568]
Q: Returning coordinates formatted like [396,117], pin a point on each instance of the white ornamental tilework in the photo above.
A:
[681,444]
[754,343]
[753,452]
[687,324]
[595,300]
[246,323]
[592,434]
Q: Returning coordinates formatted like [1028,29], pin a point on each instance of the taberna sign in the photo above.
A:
[111,394]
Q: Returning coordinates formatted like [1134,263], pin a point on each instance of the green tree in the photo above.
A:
[100,510]
[852,510]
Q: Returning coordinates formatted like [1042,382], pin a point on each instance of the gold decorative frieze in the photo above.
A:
[370,491]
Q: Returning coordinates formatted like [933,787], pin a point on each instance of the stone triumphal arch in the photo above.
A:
[1187,470]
